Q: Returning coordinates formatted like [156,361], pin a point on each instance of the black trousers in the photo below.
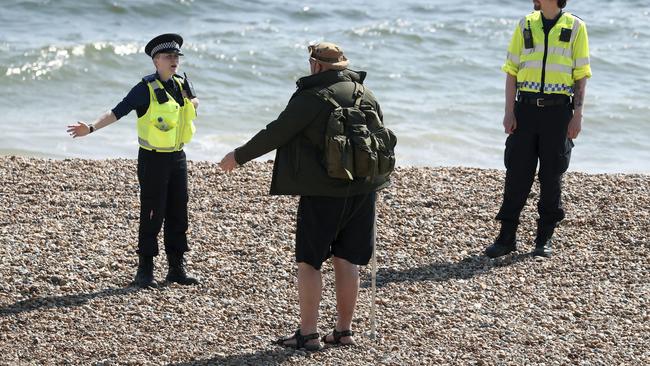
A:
[541,134]
[163,198]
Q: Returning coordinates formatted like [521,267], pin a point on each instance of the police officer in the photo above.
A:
[166,107]
[547,69]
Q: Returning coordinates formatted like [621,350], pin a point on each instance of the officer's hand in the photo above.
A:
[228,162]
[79,130]
[509,123]
[575,126]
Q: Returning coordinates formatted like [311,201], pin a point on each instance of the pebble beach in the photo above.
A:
[68,234]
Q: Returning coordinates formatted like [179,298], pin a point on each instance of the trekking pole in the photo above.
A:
[373,281]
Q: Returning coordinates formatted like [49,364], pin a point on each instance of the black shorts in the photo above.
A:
[339,226]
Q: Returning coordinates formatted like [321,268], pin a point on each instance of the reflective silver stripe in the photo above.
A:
[561,51]
[530,65]
[539,48]
[514,58]
[522,26]
[574,31]
[549,67]
[146,144]
[561,68]
[566,52]
[154,85]
[581,62]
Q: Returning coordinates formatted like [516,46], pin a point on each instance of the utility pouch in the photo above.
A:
[565,35]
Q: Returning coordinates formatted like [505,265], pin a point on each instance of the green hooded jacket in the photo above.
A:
[298,134]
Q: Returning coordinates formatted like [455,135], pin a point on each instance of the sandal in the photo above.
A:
[301,341]
[337,337]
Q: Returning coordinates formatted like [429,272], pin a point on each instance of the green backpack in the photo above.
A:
[357,145]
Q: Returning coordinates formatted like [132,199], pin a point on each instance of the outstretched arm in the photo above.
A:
[82,129]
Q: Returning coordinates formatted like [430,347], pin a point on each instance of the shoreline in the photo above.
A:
[9,154]
[68,230]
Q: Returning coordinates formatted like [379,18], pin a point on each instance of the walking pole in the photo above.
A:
[373,280]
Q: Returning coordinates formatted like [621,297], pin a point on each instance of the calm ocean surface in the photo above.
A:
[434,66]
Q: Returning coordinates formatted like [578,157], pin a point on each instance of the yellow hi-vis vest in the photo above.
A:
[167,126]
[555,61]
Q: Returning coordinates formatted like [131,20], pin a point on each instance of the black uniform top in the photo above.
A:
[550,23]
[138,98]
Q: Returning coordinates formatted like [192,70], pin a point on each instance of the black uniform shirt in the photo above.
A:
[138,98]
[550,23]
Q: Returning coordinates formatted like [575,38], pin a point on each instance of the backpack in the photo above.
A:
[357,145]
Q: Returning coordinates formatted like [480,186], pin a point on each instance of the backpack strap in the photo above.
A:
[326,95]
[359,89]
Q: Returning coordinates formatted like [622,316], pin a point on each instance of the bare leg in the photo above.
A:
[347,290]
[309,293]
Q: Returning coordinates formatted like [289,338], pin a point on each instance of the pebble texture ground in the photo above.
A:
[68,232]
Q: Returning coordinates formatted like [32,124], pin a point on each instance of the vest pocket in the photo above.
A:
[161,139]
[163,129]
[188,132]
[189,114]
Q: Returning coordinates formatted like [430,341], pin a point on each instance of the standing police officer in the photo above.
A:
[165,105]
[547,65]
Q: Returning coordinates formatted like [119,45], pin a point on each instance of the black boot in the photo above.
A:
[505,243]
[543,241]
[176,271]
[144,276]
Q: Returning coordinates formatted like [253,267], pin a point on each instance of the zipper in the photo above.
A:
[181,119]
[541,90]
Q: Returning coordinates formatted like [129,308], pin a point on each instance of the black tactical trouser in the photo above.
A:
[541,133]
[163,197]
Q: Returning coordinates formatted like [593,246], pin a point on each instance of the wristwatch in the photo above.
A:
[91,127]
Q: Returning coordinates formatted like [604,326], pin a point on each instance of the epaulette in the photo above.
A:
[149,78]
[161,94]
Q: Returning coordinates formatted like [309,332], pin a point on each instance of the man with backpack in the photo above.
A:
[332,151]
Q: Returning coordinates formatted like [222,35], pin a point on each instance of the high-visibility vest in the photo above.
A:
[555,61]
[166,126]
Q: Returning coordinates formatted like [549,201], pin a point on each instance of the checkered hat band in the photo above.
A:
[165,45]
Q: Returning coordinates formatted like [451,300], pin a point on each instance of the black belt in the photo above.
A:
[546,101]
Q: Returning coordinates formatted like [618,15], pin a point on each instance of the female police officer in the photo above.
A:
[547,64]
[165,105]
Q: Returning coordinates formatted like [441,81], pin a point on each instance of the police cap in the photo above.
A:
[167,43]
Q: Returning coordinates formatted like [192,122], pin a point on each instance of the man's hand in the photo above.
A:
[575,126]
[509,123]
[79,130]
[228,162]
